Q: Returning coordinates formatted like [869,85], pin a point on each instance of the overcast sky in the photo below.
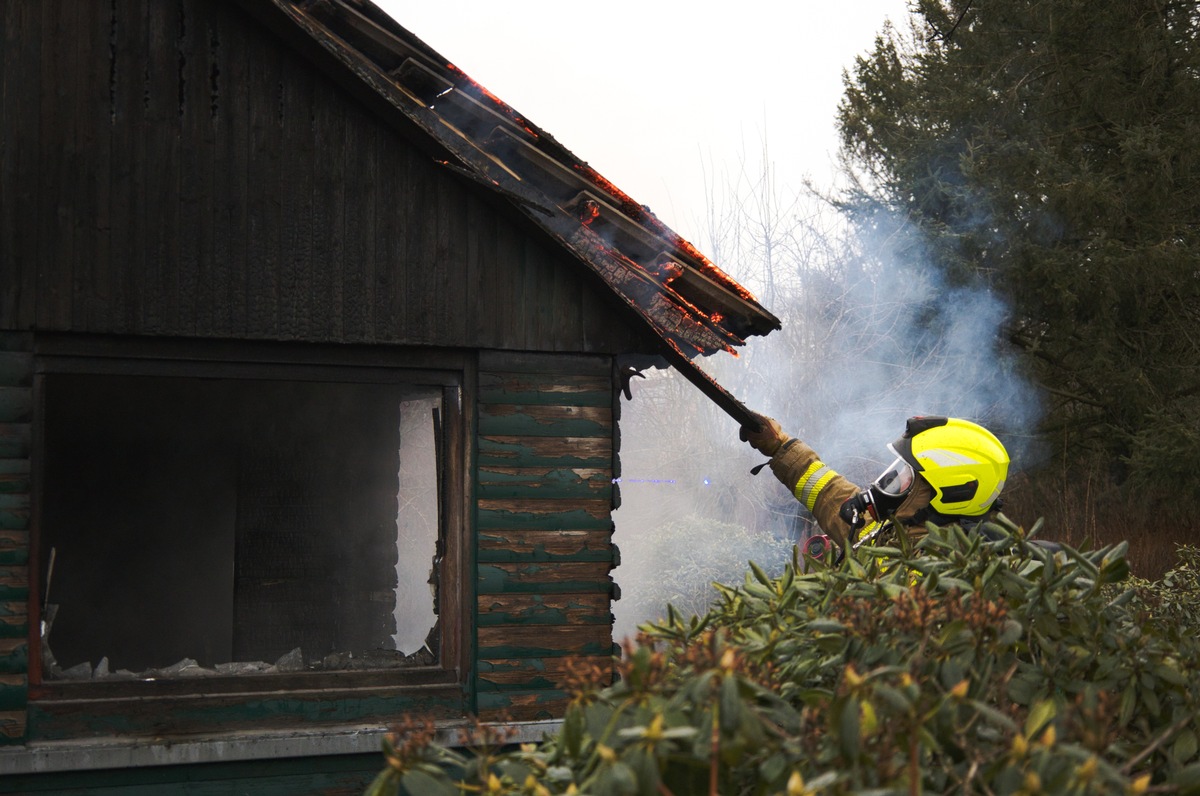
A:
[659,95]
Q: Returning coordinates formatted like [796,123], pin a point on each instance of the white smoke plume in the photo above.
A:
[862,349]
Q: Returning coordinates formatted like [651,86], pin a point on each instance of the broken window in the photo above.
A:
[224,526]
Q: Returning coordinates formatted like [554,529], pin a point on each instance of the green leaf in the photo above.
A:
[848,729]
[386,783]
[1039,716]
[731,704]
[419,783]
[1185,746]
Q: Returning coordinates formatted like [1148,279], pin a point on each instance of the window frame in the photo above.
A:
[67,708]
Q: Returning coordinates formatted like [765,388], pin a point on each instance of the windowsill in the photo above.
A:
[111,753]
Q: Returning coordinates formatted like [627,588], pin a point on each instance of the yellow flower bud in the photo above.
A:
[1087,769]
[1020,746]
[1049,736]
[960,689]
[493,784]
[868,721]
[795,786]
[1032,783]
[655,731]
[728,659]
[853,678]
[606,753]
[1140,785]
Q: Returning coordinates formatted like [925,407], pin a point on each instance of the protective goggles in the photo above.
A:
[897,480]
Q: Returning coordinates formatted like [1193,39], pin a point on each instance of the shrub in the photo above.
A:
[961,664]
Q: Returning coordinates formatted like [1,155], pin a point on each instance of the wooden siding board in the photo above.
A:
[128,168]
[564,389]
[545,421]
[14,656]
[18,90]
[229,105]
[14,440]
[365,222]
[452,246]
[547,578]
[330,171]
[510,671]
[16,404]
[53,720]
[161,151]
[584,514]
[16,368]
[522,706]
[549,364]
[507,305]
[522,451]
[297,162]
[475,273]
[14,476]
[544,609]
[88,56]
[558,545]
[55,161]
[551,482]
[393,226]
[265,207]
[194,241]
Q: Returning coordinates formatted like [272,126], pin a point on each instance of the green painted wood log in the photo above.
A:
[325,775]
[544,609]
[545,388]
[14,440]
[501,673]
[545,515]
[12,731]
[550,578]
[521,451]
[14,656]
[16,404]
[14,690]
[533,641]
[14,618]
[522,706]
[566,545]
[14,546]
[16,368]
[545,421]
[57,720]
[14,475]
[555,482]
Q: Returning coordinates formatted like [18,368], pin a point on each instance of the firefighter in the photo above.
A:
[946,470]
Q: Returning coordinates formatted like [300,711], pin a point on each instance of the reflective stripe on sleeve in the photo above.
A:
[809,487]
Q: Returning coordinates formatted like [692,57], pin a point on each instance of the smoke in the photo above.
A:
[870,339]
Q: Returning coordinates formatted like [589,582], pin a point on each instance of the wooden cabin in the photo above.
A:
[310,360]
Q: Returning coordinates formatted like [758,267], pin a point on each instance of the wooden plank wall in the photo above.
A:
[545,494]
[172,167]
[16,411]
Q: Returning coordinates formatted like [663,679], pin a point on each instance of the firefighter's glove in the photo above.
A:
[766,440]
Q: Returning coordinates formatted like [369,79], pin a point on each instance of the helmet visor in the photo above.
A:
[897,479]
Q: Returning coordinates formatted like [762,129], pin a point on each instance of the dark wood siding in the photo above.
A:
[16,411]
[544,488]
[174,168]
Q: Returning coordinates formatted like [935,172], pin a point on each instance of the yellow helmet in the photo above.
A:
[964,463]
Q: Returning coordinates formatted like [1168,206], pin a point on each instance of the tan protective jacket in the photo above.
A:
[823,491]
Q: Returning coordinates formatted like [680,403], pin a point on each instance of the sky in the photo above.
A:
[665,97]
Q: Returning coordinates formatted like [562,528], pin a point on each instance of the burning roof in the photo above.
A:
[687,300]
